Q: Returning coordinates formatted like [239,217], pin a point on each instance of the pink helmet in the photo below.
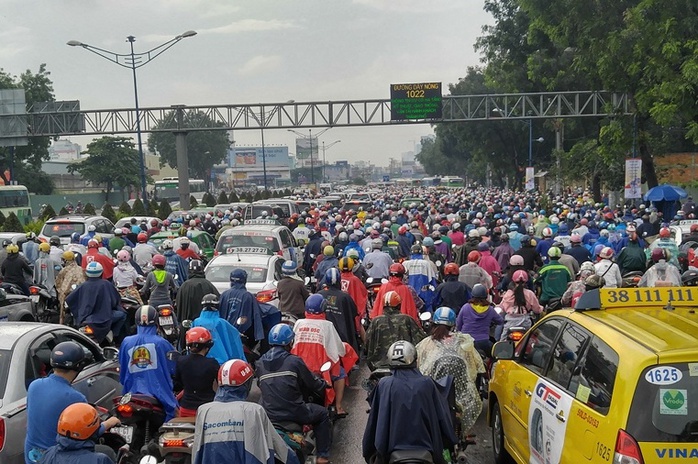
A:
[520,276]
[123,256]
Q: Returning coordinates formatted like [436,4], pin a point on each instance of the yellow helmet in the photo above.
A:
[12,248]
[45,247]
[346,264]
[68,256]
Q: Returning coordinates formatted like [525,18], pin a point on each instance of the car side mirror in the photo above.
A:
[110,353]
[503,350]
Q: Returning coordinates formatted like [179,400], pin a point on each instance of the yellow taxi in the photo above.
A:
[614,380]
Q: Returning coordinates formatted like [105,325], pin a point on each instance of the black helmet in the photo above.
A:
[55,240]
[196,265]
[690,278]
[70,356]
[146,315]
[210,302]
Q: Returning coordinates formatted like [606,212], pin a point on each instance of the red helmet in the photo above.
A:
[199,335]
[659,253]
[142,237]
[451,269]
[474,256]
[402,230]
[694,228]
[159,260]
[234,373]
[397,269]
[520,276]
[664,232]
[392,299]
[93,244]
[154,222]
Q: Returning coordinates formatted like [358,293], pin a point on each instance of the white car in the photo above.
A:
[261,233]
[263,271]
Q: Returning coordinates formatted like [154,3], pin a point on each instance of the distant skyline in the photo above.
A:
[250,52]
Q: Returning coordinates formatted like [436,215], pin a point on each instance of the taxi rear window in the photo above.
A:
[5,356]
[63,229]
[248,239]
[665,405]
[255,274]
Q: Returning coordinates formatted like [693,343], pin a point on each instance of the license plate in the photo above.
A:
[166,320]
[125,431]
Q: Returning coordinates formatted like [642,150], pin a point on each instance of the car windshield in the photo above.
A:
[664,408]
[255,274]
[248,239]
[5,356]
[63,229]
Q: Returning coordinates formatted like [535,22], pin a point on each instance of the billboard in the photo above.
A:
[415,101]
[251,157]
[633,173]
[303,146]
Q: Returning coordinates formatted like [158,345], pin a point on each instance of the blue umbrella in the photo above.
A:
[665,192]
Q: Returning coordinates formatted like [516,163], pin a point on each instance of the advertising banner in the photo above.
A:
[251,157]
[633,174]
[530,178]
[303,147]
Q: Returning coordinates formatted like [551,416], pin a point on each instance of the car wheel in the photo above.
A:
[501,455]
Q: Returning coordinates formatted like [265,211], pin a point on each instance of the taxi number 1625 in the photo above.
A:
[603,451]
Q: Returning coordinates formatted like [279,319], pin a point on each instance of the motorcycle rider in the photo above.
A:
[476,318]
[353,286]
[662,273]
[395,283]
[56,250]
[192,291]
[145,368]
[388,328]
[291,290]
[446,352]
[97,303]
[631,256]
[553,277]
[472,274]
[49,396]
[143,252]
[185,251]
[607,269]
[377,262]
[195,373]
[227,343]
[241,309]
[125,277]
[78,428]
[285,382]
[230,429]
[70,275]
[45,269]
[30,248]
[329,261]
[159,284]
[174,264]
[421,275]
[451,292]
[518,303]
[93,255]
[76,247]
[665,241]
[396,401]
[14,268]
[341,309]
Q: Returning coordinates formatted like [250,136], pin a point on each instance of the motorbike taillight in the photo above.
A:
[124,410]
[165,312]
[34,290]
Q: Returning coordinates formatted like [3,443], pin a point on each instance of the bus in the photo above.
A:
[168,189]
[15,199]
[452,181]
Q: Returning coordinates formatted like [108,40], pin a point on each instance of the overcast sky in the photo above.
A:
[250,52]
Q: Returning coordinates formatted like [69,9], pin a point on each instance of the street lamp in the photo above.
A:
[324,177]
[530,142]
[310,139]
[134,61]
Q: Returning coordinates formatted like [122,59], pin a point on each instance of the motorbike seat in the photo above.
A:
[182,420]
[412,456]
[289,426]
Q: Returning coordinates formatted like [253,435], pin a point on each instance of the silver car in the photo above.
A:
[25,351]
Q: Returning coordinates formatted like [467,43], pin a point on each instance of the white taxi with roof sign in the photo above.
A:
[263,272]
[265,235]
[614,380]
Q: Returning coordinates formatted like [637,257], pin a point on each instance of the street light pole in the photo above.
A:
[324,162]
[264,154]
[310,137]
[133,61]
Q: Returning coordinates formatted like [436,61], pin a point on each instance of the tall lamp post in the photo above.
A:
[324,177]
[530,145]
[310,140]
[134,61]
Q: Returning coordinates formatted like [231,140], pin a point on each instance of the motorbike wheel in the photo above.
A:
[42,313]
[501,455]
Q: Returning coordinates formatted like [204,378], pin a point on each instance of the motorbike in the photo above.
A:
[130,305]
[112,439]
[427,324]
[108,340]
[45,306]
[141,417]
[168,326]
[631,279]
[374,377]
[373,286]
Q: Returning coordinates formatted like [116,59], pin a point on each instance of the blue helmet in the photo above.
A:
[289,268]
[238,276]
[94,269]
[444,316]
[70,356]
[333,278]
[75,237]
[280,335]
[315,304]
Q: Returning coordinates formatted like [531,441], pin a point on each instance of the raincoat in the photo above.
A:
[92,303]
[230,429]
[408,306]
[421,276]
[226,338]
[45,272]
[356,290]
[236,303]
[69,451]
[386,330]
[94,255]
[317,342]
[451,293]
[70,275]
[159,284]
[455,355]
[177,266]
[342,312]
[190,295]
[145,368]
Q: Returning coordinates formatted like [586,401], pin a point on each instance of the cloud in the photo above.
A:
[411,6]
[251,25]
[260,64]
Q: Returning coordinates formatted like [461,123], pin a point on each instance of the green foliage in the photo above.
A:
[12,224]
[89,209]
[38,87]
[287,192]
[2,220]
[138,209]
[34,226]
[257,196]
[233,198]
[209,200]
[124,208]
[164,210]
[108,212]
[266,194]
[111,161]
[154,207]
[48,213]
[204,148]
[192,202]
[222,198]
[63,211]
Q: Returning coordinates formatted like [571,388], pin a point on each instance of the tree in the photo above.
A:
[89,209]
[204,148]
[48,213]
[108,212]
[12,224]
[38,87]
[192,202]
[209,200]
[222,198]
[138,209]
[233,197]
[164,210]
[154,206]
[111,161]
[124,208]
[63,211]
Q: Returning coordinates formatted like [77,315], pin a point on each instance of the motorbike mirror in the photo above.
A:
[306,280]
[369,280]
[425,316]
[74,286]
[503,350]
[498,309]
[384,280]
[438,263]
[173,355]
[186,323]
[325,367]
[147,459]
[241,320]
[110,353]
[363,321]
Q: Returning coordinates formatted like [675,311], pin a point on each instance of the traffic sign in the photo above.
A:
[415,101]
[386,178]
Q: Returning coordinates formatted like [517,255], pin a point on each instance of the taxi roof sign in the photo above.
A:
[248,250]
[643,297]
[262,222]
